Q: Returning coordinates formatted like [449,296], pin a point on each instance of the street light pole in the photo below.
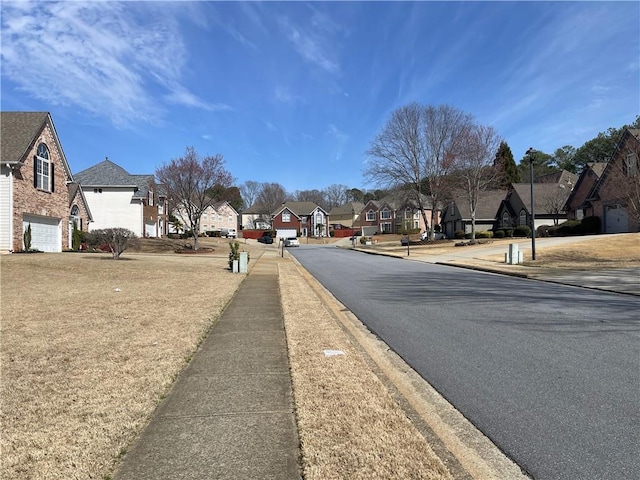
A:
[530,154]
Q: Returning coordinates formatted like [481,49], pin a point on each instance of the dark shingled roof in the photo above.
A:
[18,131]
[108,174]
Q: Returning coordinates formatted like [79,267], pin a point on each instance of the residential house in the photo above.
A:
[395,213]
[256,217]
[615,197]
[549,203]
[577,205]
[456,215]
[218,216]
[37,188]
[119,199]
[304,219]
[345,216]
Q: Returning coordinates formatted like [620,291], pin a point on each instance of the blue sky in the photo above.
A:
[294,92]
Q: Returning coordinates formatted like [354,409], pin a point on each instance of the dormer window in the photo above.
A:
[43,169]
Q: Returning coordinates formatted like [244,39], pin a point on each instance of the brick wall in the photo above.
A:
[29,200]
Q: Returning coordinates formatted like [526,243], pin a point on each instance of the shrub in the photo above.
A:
[506,231]
[364,240]
[498,234]
[570,227]
[545,231]
[458,234]
[522,231]
[484,234]
[26,237]
[116,240]
[591,224]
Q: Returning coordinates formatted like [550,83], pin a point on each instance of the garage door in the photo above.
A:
[286,233]
[616,220]
[46,235]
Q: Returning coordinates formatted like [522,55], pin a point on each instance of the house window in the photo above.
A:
[523,217]
[286,217]
[97,190]
[150,199]
[42,168]
[385,227]
[318,218]
[506,220]
[632,164]
[371,216]
[385,214]
[230,218]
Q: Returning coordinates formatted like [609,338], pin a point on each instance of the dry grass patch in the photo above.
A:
[594,253]
[349,425]
[83,364]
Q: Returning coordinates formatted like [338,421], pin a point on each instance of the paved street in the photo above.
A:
[549,372]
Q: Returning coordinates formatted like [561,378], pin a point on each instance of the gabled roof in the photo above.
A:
[596,168]
[629,132]
[75,190]
[299,208]
[255,209]
[488,203]
[19,131]
[565,177]
[347,209]
[543,193]
[402,199]
[108,174]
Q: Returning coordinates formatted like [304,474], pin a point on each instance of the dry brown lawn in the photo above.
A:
[89,347]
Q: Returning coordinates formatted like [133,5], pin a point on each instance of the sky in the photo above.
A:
[295,92]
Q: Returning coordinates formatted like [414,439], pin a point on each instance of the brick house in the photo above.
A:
[215,217]
[305,219]
[393,214]
[119,199]
[37,188]
[578,206]
[615,197]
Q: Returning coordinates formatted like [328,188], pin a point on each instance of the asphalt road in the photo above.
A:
[550,373]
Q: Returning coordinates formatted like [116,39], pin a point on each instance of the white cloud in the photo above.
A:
[110,59]
[312,44]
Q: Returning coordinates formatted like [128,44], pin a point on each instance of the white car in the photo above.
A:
[291,242]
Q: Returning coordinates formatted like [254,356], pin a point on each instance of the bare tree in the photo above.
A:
[336,195]
[250,191]
[415,151]
[272,196]
[189,181]
[475,168]
[315,196]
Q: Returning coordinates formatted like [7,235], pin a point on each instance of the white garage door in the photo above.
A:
[616,220]
[46,235]
[286,233]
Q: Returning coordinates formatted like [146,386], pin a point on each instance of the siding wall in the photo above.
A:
[5,208]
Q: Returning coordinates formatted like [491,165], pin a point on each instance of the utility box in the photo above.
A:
[244,261]
[514,255]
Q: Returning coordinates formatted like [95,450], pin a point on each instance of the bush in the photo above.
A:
[522,231]
[117,240]
[545,231]
[458,234]
[498,234]
[484,234]
[570,227]
[506,231]
[26,237]
[364,240]
[591,225]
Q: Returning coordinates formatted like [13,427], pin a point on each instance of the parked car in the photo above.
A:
[265,238]
[228,233]
[291,242]
[437,236]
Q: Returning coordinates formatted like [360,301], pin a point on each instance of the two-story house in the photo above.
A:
[305,219]
[578,206]
[218,216]
[395,213]
[37,189]
[119,199]
[615,197]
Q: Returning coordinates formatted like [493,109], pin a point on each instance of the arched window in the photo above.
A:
[506,220]
[523,217]
[42,169]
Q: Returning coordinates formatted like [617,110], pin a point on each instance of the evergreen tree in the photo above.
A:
[506,166]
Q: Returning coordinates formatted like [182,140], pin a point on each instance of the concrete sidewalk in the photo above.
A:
[230,413]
